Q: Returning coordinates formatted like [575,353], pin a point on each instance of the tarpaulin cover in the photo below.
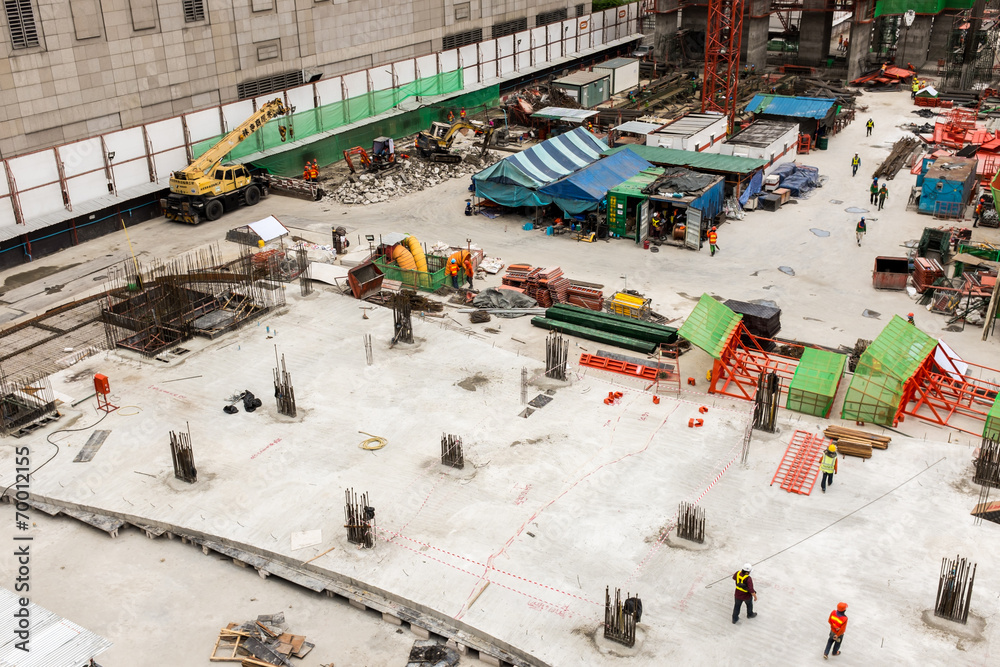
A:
[709,326]
[513,180]
[800,179]
[795,107]
[584,189]
[888,7]
[710,202]
[752,188]
[491,297]
[679,179]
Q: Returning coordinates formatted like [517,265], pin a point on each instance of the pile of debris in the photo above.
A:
[260,643]
[412,176]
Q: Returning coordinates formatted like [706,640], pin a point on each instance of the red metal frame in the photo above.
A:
[723,38]
[740,366]
[934,395]
[799,467]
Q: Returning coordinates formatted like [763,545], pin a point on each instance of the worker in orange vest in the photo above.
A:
[838,624]
[451,117]
[314,171]
[469,271]
[452,271]
[462,113]
[306,172]
[713,241]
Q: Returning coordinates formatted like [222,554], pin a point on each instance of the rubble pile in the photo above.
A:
[412,175]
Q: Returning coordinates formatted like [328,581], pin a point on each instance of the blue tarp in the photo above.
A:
[795,107]
[755,185]
[514,180]
[710,203]
[800,179]
[584,189]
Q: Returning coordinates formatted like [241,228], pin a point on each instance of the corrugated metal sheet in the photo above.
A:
[691,123]
[55,642]
[638,127]
[796,107]
[694,160]
[562,113]
[580,78]
[615,63]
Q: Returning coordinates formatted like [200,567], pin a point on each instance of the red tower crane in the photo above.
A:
[723,38]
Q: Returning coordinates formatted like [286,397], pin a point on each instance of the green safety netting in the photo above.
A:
[814,385]
[710,325]
[992,428]
[888,7]
[876,389]
[304,124]
[995,188]
[331,149]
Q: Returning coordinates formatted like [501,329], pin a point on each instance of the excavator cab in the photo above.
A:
[439,130]
[383,153]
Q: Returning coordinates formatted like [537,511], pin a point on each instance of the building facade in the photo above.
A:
[87,67]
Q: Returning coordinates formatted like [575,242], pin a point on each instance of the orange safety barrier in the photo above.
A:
[799,467]
[618,366]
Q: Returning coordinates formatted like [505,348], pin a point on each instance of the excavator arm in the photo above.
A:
[205,164]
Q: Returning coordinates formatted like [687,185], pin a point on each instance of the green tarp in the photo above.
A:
[992,428]
[710,325]
[889,7]
[876,389]
[814,385]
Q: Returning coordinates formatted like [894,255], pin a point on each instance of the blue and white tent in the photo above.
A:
[514,181]
[583,190]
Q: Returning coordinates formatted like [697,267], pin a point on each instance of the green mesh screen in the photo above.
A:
[328,117]
[995,187]
[992,428]
[887,7]
[876,390]
[331,149]
[710,325]
[814,385]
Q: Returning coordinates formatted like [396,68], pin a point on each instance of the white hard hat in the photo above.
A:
[747,567]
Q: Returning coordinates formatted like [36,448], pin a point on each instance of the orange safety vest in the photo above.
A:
[837,623]
[305,173]
[712,238]
[452,269]
[314,172]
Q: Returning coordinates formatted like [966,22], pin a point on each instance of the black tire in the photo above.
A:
[252,195]
[214,210]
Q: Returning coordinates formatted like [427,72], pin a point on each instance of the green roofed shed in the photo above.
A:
[992,428]
[876,390]
[814,385]
[710,325]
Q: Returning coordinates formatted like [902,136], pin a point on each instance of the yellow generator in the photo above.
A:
[629,305]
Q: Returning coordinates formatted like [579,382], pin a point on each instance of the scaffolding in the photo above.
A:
[26,403]
[972,66]
[723,38]
[149,309]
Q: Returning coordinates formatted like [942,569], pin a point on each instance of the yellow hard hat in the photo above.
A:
[832,448]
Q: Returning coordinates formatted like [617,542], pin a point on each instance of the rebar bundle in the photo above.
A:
[691,523]
[183,456]
[619,623]
[955,589]
[556,351]
[284,393]
[25,402]
[452,453]
[765,402]
[305,276]
[988,464]
[360,520]
[402,323]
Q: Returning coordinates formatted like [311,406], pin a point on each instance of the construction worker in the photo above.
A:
[590,127]
[314,171]
[859,231]
[909,319]
[713,242]
[468,207]
[870,125]
[883,192]
[914,87]
[873,190]
[744,593]
[838,624]
[462,113]
[451,116]
[828,466]
[977,212]
[855,163]
[306,172]
[453,272]
[657,224]
[469,271]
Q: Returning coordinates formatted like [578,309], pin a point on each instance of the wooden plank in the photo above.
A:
[89,449]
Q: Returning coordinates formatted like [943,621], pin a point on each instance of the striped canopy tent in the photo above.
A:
[515,180]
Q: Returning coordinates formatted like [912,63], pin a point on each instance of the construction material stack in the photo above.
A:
[623,332]
[852,442]
[549,287]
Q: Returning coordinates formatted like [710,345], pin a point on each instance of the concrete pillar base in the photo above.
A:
[357,605]
[389,618]
[421,632]
[489,659]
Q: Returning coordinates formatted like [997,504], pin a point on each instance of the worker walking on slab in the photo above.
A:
[870,125]
[882,194]
[873,190]
[859,231]
[744,593]
[838,624]
[855,163]
[713,242]
[828,466]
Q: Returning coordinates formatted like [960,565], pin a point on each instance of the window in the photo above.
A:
[194,10]
[510,27]
[268,84]
[546,18]
[229,175]
[462,11]
[21,21]
[458,39]
[581,10]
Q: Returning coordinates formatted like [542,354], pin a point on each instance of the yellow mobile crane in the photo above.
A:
[206,188]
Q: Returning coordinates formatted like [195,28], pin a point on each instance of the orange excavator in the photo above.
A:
[382,157]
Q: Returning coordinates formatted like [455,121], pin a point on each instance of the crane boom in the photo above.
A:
[206,163]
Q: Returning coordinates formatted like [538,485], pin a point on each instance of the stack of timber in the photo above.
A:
[617,330]
[898,158]
[852,442]
[550,286]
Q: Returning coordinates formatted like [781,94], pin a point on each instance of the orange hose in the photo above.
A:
[403,258]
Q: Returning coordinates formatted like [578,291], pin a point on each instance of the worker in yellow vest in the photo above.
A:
[914,87]
[713,242]
[828,466]
[453,272]
[870,125]
[855,163]
[744,593]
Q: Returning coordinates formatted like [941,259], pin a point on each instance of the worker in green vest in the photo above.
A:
[874,191]
[855,163]
[914,87]
[828,466]
[882,194]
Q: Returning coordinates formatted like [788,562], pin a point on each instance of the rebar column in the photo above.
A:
[360,520]
[691,523]
[955,589]
[284,393]
[619,622]
[765,402]
[183,456]
[452,452]
[556,351]
[402,323]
